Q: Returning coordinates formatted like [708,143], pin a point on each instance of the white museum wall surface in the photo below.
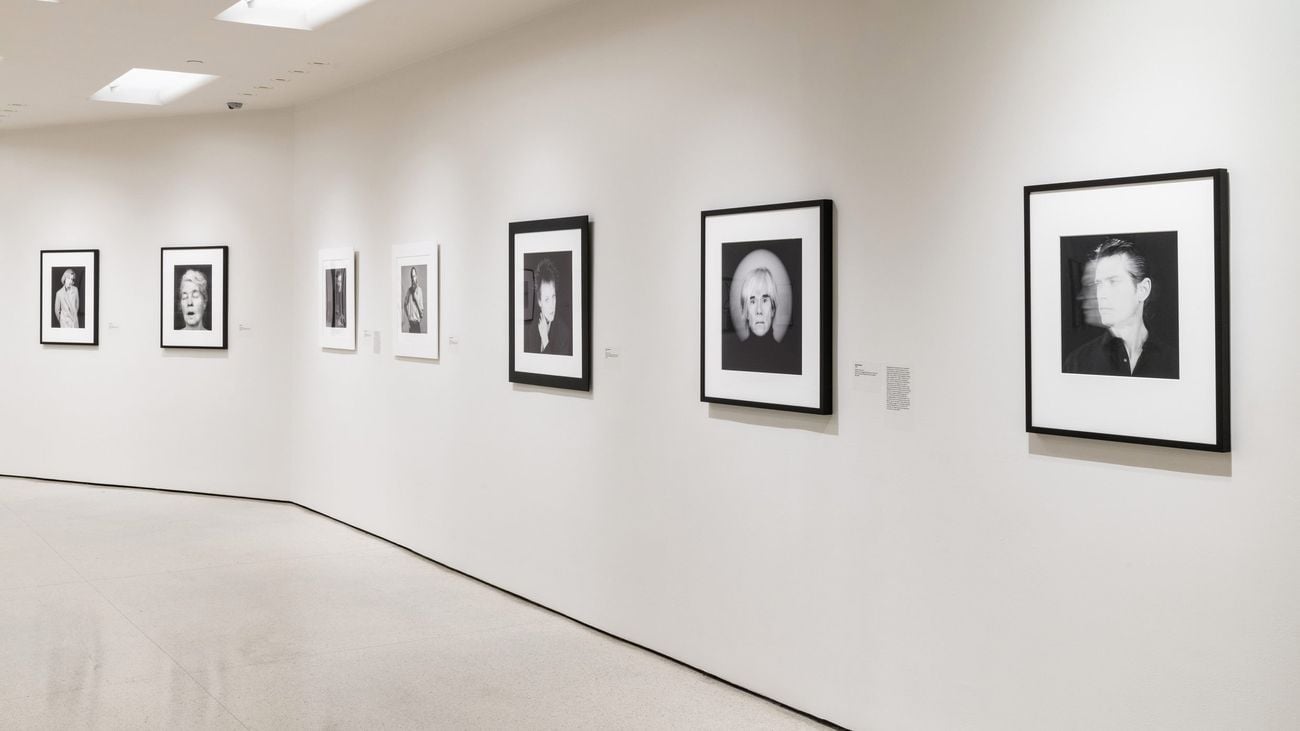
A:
[932,569]
[937,570]
[129,412]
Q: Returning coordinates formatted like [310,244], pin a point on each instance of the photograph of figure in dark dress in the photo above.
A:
[548,286]
[1119,304]
[336,298]
[761,310]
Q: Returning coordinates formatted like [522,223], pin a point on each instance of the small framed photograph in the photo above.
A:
[69,307]
[1126,310]
[193,299]
[765,310]
[550,303]
[337,278]
[415,301]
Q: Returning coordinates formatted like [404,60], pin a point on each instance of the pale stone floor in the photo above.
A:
[133,609]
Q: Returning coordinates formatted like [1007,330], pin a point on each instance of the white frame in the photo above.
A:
[337,338]
[416,345]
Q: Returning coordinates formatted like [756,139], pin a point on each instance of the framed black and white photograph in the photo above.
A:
[193,299]
[336,277]
[765,311]
[1126,309]
[69,308]
[415,301]
[550,303]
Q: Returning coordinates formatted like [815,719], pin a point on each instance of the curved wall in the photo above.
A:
[941,571]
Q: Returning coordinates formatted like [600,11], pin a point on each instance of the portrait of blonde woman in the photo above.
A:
[67,302]
[192,299]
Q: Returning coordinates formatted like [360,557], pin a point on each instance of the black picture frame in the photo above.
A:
[1211,391]
[44,334]
[815,308]
[219,340]
[581,351]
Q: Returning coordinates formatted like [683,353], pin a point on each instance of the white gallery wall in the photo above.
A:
[129,412]
[933,569]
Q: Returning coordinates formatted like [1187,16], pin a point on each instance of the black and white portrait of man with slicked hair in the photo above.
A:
[1117,289]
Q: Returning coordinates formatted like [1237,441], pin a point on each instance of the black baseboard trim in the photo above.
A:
[436,562]
[153,489]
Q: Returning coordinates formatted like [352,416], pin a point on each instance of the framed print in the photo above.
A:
[550,303]
[338,298]
[1126,310]
[415,301]
[69,308]
[193,299]
[765,307]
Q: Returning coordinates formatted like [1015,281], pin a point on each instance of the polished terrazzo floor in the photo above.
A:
[136,609]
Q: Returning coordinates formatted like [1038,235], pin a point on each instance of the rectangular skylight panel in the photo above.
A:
[151,86]
[296,14]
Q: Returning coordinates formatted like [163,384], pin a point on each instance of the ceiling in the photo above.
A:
[56,54]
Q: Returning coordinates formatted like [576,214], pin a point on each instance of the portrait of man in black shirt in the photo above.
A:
[1112,295]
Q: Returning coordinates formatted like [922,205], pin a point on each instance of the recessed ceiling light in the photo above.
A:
[263,88]
[285,81]
[194,61]
[295,14]
[151,86]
